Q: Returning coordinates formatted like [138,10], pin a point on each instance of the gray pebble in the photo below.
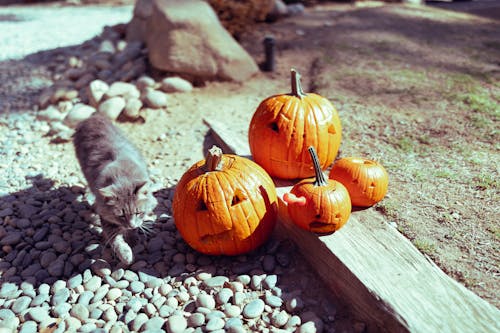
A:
[176,324]
[294,304]
[270,281]
[85,298]
[223,296]
[166,310]
[206,301]
[29,327]
[110,315]
[61,296]
[134,304]
[93,283]
[176,84]
[21,304]
[155,99]
[136,287]
[214,324]
[100,293]
[38,314]
[7,314]
[112,107]
[215,282]
[272,300]
[80,312]
[155,323]
[279,319]
[61,310]
[196,320]
[138,321]
[39,300]
[253,309]
[233,322]
[113,294]
[75,281]
[11,238]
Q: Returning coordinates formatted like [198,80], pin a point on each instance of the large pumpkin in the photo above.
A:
[225,204]
[284,126]
[366,180]
[318,204]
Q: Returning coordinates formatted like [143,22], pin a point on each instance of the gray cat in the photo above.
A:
[117,175]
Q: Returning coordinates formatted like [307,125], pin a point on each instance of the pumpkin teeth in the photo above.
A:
[322,227]
[221,236]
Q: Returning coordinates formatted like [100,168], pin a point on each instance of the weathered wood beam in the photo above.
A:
[376,271]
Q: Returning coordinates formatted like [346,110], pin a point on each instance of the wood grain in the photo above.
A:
[384,279]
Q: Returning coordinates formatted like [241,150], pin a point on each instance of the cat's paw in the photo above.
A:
[122,250]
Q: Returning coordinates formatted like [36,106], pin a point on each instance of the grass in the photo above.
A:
[486,181]
[426,246]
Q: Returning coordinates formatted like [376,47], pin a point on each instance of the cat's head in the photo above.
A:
[126,204]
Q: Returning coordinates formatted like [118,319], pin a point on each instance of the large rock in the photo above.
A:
[186,37]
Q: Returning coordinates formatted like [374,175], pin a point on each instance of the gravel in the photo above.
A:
[54,266]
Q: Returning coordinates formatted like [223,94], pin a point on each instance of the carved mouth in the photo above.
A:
[213,238]
[322,227]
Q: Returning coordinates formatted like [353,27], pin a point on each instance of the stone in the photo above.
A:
[138,321]
[136,287]
[78,113]
[223,296]
[61,296]
[294,304]
[80,312]
[196,320]
[215,324]
[176,324]
[155,99]
[132,110]
[206,301]
[112,107]
[176,32]
[232,310]
[124,89]
[38,314]
[96,91]
[21,304]
[11,239]
[175,84]
[253,309]
[216,281]
[61,309]
[51,113]
[113,294]
[279,319]
[154,324]
[273,300]
[29,326]
[93,283]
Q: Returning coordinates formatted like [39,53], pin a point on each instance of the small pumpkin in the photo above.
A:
[284,126]
[366,180]
[318,204]
[225,204]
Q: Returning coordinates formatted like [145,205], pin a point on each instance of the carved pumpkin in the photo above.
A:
[366,180]
[225,204]
[284,126]
[319,205]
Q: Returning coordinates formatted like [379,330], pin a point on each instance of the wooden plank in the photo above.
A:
[385,280]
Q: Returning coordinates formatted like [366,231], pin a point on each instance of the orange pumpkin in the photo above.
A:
[366,180]
[284,126]
[225,204]
[319,205]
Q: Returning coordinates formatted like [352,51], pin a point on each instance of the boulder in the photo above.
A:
[186,37]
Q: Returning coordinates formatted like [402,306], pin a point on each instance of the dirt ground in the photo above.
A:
[417,89]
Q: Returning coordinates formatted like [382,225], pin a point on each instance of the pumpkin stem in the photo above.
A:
[320,176]
[213,161]
[296,85]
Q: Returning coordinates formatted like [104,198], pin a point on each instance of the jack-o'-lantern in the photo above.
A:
[284,126]
[366,180]
[318,204]
[225,204]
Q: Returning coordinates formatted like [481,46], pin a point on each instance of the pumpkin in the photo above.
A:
[366,180]
[225,204]
[284,126]
[318,204]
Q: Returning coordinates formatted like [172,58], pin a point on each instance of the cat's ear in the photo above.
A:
[107,194]
[141,188]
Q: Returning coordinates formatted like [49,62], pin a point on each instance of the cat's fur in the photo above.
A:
[117,175]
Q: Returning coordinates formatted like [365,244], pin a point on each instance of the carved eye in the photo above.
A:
[238,197]
[274,126]
[202,206]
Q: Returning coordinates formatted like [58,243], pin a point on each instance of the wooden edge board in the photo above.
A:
[376,271]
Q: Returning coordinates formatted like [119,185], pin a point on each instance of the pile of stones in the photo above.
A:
[105,75]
